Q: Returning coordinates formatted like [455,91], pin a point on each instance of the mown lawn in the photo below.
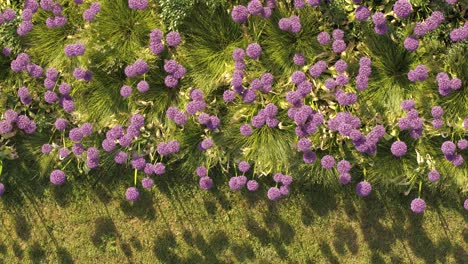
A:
[178,223]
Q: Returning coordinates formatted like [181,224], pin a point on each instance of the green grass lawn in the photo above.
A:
[183,224]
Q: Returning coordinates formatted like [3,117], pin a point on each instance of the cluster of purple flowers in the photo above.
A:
[266,116]
[236,183]
[459,34]
[58,177]
[447,85]
[449,150]
[344,98]
[363,189]
[412,122]
[51,78]
[430,24]
[253,50]
[22,63]
[30,7]
[344,167]
[175,72]
[212,122]
[240,13]
[206,144]
[275,193]
[167,148]
[338,45]
[58,20]
[327,162]
[437,113]
[362,13]
[418,205]
[55,22]
[291,24]
[156,45]
[74,50]
[123,136]
[380,23]
[179,117]
[411,43]
[65,100]
[238,76]
[82,74]
[344,123]
[418,74]
[7,15]
[90,13]
[365,70]
[205,182]
[306,120]
[299,59]
[197,104]
[402,8]
[318,68]
[323,38]
[139,67]
[24,95]
[22,122]
[138,4]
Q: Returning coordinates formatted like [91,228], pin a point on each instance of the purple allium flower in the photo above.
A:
[284,190]
[138,4]
[437,112]
[254,50]
[51,74]
[362,13]
[157,47]
[317,69]
[411,43]
[255,7]
[77,149]
[58,177]
[34,70]
[241,180]
[239,14]
[156,35]
[238,54]
[6,51]
[138,163]
[205,183]
[173,39]
[180,118]
[295,24]
[125,91]
[402,8]
[298,77]
[63,152]
[74,50]
[229,96]
[344,178]
[27,14]
[159,168]
[339,46]
[299,4]
[249,96]
[309,157]
[143,86]
[9,14]
[132,194]
[274,194]
[379,19]
[304,144]
[170,81]
[244,166]
[284,24]
[147,183]
[22,122]
[462,144]
[338,34]
[75,134]
[46,149]
[451,2]
[50,97]
[108,145]
[61,124]
[213,123]
[341,66]
[171,112]
[120,157]
[330,83]
[252,185]
[278,177]
[299,59]
[437,123]
[2,189]
[433,176]
[10,115]
[407,105]
[323,38]
[458,160]
[201,171]
[399,148]
[313,2]
[343,166]
[455,83]
[233,184]
[363,189]
[206,144]
[246,130]
[418,205]
[327,162]
[448,148]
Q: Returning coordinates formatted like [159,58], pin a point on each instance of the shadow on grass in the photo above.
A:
[105,233]
[36,253]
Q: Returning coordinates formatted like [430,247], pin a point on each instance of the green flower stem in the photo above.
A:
[135,177]
[420,188]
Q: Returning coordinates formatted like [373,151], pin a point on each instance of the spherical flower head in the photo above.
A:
[457,160]
[437,123]
[206,183]
[240,65]
[238,54]
[64,89]
[309,157]
[274,194]
[295,24]
[433,176]
[156,47]
[138,163]
[246,130]
[75,134]
[125,91]
[411,43]
[363,189]
[407,105]
[34,70]
[448,148]
[206,144]
[180,118]
[6,51]
[399,148]
[229,96]
[313,2]
[338,34]
[143,86]
[239,14]
[78,2]
[159,168]
[77,149]
[254,50]
[284,24]
[255,7]
[451,2]
[343,166]
[244,166]
[61,124]
[9,14]
[132,194]
[344,178]
[317,69]
[402,8]
[50,97]
[465,123]
[299,59]
[201,171]
[22,122]
[323,38]
[465,204]
[74,50]
[170,81]
[341,66]
[2,189]
[339,46]
[234,184]
[138,4]
[362,13]
[10,115]
[327,162]
[455,83]
[303,144]
[252,185]
[379,19]
[437,111]
[120,157]
[46,149]
[213,123]
[298,77]
[462,144]
[63,152]
[58,177]
[418,205]
[173,39]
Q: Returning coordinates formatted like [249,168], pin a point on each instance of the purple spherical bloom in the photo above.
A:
[244,166]
[206,183]
[6,51]
[411,43]
[418,205]
[338,34]
[339,46]
[58,177]
[299,59]
[234,184]
[420,29]
[125,91]
[49,84]
[201,171]
[295,24]
[437,112]
[255,7]
[343,166]
[50,97]
[173,39]
[74,50]
[10,115]
[254,50]
[138,4]
[180,118]
[274,194]
[229,96]
[2,189]
[170,81]
[252,185]
[239,14]
[362,13]
[108,145]
[455,83]
[298,77]
[379,19]
[171,112]
[63,152]
[246,130]
[448,148]
[27,14]
[303,144]
[313,2]
[9,14]
[34,70]
[249,96]
[75,134]
[120,157]
[238,54]
[317,69]
[213,123]
[132,194]
[402,8]
[61,124]
[149,169]
[138,163]
[86,129]
[437,123]
[64,89]
[465,204]
[344,178]
[327,162]
[363,189]
[399,148]
[159,168]
[46,149]
[147,183]
[407,105]
[341,66]
[433,176]
[22,122]
[323,38]
[284,24]
[143,86]
[206,144]
[156,47]
[462,144]
[77,149]
[309,157]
